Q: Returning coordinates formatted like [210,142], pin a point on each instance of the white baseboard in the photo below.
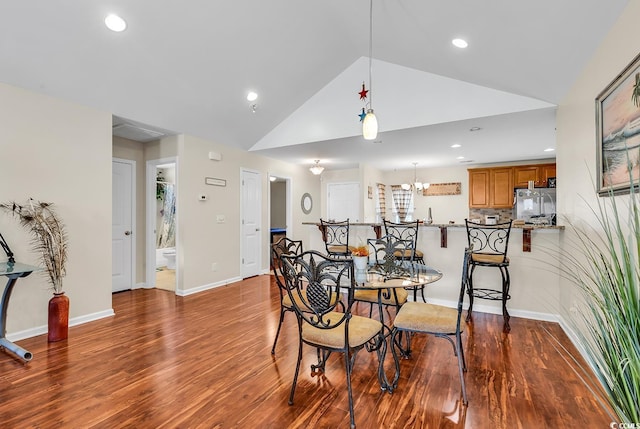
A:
[143,285]
[202,288]
[526,314]
[39,330]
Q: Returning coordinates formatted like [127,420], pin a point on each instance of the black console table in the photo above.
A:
[13,271]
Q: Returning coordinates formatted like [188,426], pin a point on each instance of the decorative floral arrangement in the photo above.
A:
[49,237]
[360,251]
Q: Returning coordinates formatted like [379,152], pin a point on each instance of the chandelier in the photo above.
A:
[316,169]
[416,185]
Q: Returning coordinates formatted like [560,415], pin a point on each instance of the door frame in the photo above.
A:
[150,200]
[288,199]
[134,209]
[242,211]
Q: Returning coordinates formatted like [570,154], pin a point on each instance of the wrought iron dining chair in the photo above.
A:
[284,246]
[489,245]
[407,231]
[437,320]
[335,236]
[311,278]
[382,253]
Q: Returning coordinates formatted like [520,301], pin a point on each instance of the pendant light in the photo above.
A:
[316,169]
[370,122]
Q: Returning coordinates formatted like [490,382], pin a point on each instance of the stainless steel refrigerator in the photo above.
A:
[536,206]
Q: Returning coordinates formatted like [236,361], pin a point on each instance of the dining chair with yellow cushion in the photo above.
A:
[407,231]
[335,236]
[285,246]
[311,278]
[440,321]
[382,255]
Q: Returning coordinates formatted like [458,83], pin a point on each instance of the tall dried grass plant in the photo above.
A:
[604,264]
[48,237]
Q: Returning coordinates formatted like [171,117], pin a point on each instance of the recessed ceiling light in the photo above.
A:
[474,129]
[460,43]
[460,157]
[456,145]
[115,23]
[252,96]
[549,149]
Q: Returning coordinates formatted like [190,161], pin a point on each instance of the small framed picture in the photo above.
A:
[551,182]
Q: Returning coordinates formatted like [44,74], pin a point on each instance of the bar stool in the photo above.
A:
[489,245]
[407,231]
[336,237]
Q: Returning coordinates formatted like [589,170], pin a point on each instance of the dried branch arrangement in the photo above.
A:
[49,239]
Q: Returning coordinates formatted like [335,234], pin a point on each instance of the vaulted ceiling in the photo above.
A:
[186,67]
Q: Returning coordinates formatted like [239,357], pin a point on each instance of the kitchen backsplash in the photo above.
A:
[505,214]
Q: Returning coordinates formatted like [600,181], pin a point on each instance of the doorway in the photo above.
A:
[279,208]
[123,206]
[251,231]
[162,214]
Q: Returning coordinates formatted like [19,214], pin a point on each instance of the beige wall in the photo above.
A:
[576,154]
[58,152]
[203,241]
[278,205]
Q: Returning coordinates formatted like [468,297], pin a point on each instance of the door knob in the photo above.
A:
[127,233]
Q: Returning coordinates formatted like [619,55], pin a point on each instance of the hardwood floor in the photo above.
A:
[203,361]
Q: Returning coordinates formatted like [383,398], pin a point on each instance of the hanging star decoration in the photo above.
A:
[363,96]
[363,92]
[362,115]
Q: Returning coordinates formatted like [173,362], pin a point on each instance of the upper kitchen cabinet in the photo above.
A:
[501,187]
[491,187]
[540,174]
[479,188]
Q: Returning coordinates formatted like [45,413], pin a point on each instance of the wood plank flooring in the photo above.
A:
[203,361]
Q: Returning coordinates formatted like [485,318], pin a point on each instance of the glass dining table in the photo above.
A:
[387,278]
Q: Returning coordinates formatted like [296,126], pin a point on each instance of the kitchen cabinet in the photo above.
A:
[501,187]
[491,187]
[539,173]
[479,188]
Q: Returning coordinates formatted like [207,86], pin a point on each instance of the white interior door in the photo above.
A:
[122,242]
[343,201]
[251,223]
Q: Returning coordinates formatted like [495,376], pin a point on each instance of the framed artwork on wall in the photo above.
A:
[618,132]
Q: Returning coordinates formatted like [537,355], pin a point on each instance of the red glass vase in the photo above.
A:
[58,317]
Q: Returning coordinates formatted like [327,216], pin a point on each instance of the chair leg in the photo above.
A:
[275,340]
[347,360]
[462,367]
[506,285]
[470,293]
[295,376]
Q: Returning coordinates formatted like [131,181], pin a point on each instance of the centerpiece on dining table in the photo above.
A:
[360,256]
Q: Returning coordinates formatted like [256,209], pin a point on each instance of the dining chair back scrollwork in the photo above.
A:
[311,279]
[407,231]
[384,262]
[489,245]
[284,246]
[437,320]
[335,236]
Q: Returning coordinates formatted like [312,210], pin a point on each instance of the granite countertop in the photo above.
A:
[449,225]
